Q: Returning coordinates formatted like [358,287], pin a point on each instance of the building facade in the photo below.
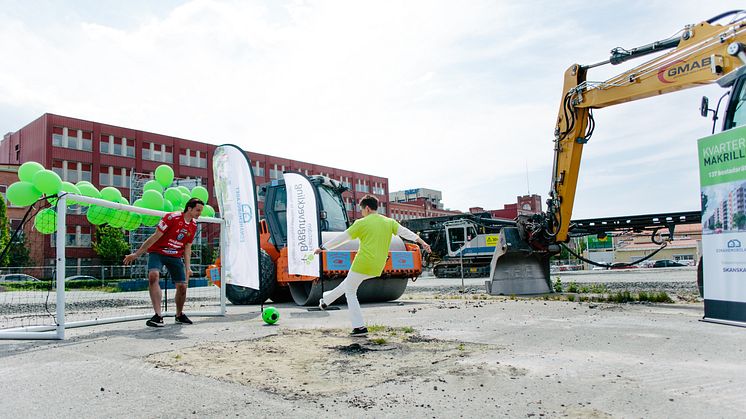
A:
[525,205]
[108,155]
[417,203]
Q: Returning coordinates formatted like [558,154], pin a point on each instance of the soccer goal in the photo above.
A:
[42,303]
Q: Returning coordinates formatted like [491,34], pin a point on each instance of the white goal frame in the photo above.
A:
[58,331]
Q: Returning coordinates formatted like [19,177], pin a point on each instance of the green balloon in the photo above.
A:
[173,195]
[152,200]
[86,189]
[150,220]
[200,192]
[184,198]
[46,221]
[147,220]
[154,185]
[168,206]
[123,201]
[208,211]
[22,194]
[133,221]
[118,218]
[111,193]
[48,182]
[270,315]
[98,215]
[164,175]
[184,190]
[27,171]
[68,188]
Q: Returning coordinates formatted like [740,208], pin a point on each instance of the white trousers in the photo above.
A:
[349,287]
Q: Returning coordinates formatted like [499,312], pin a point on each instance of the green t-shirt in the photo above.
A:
[374,232]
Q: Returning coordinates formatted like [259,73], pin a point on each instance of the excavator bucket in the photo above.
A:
[516,268]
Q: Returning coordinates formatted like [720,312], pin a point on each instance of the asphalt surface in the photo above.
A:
[542,358]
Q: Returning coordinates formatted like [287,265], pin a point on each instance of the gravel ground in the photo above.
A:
[431,357]
[674,281]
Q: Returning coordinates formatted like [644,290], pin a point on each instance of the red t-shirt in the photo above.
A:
[176,234]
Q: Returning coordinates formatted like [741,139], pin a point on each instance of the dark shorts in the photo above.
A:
[175,266]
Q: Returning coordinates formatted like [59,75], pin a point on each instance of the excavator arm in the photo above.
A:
[701,54]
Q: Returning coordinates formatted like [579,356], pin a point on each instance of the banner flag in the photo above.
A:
[304,235]
[722,172]
[234,189]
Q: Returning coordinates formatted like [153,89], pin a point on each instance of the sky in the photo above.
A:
[460,97]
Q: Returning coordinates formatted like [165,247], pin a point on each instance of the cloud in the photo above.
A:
[456,97]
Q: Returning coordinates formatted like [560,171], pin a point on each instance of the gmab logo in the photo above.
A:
[670,71]
[735,243]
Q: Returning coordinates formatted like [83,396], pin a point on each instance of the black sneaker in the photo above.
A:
[155,321]
[322,304]
[183,319]
[359,331]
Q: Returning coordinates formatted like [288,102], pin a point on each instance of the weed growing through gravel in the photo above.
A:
[378,341]
[374,328]
[557,285]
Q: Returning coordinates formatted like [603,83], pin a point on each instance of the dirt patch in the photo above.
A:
[321,362]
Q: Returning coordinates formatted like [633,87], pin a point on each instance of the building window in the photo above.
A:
[117,146]
[258,169]
[72,172]
[69,138]
[77,236]
[114,176]
[157,152]
[193,158]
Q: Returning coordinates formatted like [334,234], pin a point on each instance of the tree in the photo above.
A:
[110,245]
[739,219]
[18,253]
[4,234]
[208,254]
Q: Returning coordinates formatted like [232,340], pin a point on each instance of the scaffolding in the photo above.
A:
[138,236]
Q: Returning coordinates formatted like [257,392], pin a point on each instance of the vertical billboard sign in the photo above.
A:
[302,225]
[234,189]
[722,172]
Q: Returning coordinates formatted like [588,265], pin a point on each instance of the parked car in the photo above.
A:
[17,278]
[666,263]
[81,278]
[622,265]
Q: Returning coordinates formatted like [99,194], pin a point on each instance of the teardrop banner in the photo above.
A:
[234,190]
[302,225]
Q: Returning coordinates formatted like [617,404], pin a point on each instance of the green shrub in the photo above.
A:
[558,285]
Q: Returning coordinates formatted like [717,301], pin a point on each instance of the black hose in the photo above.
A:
[724,14]
[604,265]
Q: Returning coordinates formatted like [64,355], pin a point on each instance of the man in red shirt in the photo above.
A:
[171,240]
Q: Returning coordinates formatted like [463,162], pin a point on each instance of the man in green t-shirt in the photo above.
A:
[374,232]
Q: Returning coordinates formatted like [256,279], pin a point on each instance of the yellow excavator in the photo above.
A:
[699,54]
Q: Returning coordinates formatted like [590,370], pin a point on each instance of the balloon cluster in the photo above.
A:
[35,182]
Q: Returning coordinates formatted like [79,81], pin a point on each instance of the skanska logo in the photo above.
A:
[735,243]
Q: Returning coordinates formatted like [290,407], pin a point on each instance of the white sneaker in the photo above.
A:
[322,304]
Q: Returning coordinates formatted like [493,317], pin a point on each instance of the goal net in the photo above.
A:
[41,302]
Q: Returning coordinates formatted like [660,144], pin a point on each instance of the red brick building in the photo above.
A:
[525,205]
[108,155]
[418,208]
